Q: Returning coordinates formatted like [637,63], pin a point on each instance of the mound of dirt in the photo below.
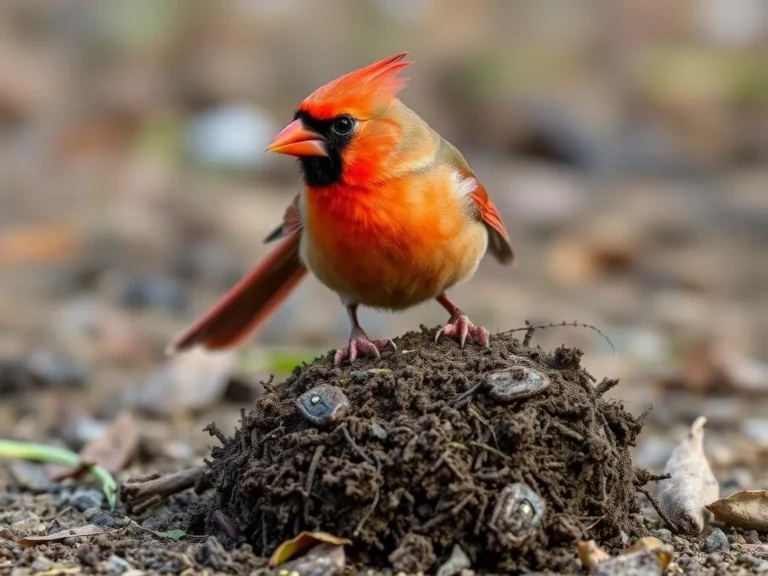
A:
[510,452]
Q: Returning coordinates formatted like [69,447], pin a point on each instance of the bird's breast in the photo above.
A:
[393,246]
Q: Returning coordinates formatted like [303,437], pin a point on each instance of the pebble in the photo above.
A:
[714,559]
[45,369]
[664,535]
[101,518]
[716,541]
[117,564]
[83,498]
[457,562]
[155,292]
[752,537]
[26,523]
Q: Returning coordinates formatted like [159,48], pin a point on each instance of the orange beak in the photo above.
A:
[296,140]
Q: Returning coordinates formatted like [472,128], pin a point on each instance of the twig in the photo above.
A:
[213,430]
[490,449]
[375,502]
[440,518]
[141,495]
[311,479]
[528,334]
[492,475]
[572,434]
[564,324]
[487,424]
[605,385]
[595,523]
[353,444]
[658,509]
[657,477]
[457,403]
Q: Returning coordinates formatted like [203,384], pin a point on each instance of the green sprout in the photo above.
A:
[10,449]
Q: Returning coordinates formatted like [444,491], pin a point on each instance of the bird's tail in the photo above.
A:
[249,303]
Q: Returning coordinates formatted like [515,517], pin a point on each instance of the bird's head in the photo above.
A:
[348,130]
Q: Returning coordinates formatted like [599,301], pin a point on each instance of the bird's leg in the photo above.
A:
[359,343]
[459,325]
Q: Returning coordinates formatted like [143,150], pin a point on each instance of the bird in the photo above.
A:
[390,216]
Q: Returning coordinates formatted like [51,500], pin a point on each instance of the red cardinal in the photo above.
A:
[390,215]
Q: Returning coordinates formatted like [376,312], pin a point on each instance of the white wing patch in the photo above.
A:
[462,185]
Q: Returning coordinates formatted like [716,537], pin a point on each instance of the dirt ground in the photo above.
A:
[427,448]
[513,453]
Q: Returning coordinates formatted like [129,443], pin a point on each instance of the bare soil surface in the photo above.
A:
[513,452]
[426,449]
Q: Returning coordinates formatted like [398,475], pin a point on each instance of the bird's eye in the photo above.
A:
[343,125]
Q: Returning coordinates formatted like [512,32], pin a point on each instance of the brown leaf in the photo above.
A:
[116,447]
[80,531]
[745,509]
[113,450]
[692,485]
[302,542]
[591,554]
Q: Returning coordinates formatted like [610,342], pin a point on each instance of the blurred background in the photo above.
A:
[625,143]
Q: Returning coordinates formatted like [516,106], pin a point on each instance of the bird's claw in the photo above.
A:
[361,345]
[460,327]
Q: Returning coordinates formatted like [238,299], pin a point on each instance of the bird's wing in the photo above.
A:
[480,204]
[498,237]
[291,223]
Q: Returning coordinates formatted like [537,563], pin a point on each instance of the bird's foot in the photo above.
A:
[361,345]
[460,327]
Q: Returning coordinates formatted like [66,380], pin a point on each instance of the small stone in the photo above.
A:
[158,293]
[117,564]
[515,384]
[26,524]
[457,562]
[714,559]
[752,537]
[104,520]
[84,498]
[684,560]
[716,541]
[748,559]
[664,535]
[517,515]
[378,431]
[322,405]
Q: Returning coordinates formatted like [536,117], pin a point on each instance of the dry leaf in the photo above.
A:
[745,509]
[302,542]
[320,560]
[113,450]
[116,447]
[692,485]
[80,531]
[591,554]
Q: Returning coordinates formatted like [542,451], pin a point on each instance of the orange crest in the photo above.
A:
[361,92]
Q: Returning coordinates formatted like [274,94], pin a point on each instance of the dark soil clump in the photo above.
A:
[425,456]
